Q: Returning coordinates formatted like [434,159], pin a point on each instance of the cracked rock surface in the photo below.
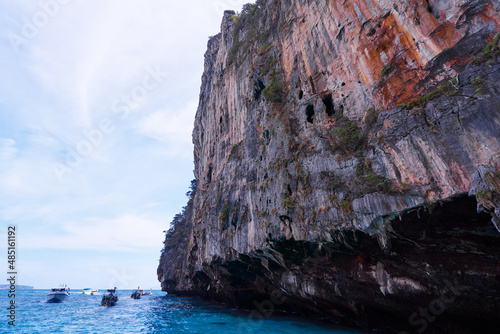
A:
[347,157]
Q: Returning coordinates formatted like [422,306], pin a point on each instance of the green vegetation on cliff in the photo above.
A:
[176,232]
[246,22]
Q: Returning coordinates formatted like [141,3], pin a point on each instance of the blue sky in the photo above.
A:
[97,102]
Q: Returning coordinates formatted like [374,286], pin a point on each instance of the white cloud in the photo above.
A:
[128,233]
[170,126]
[7,148]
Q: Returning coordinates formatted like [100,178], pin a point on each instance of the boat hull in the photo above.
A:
[90,292]
[57,297]
[109,300]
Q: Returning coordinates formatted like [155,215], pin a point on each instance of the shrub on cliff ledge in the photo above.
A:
[346,136]
[178,225]
[369,181]
[371,115]
[247,20]
[489,197]
[224,215]
[288,203]
[275,90]
[448,89]
[491,50]
[345,206]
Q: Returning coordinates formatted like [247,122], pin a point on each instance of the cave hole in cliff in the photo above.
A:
[310,113]
[289,189]
[267,137]
[328,101]
[209,175]
[259,87]
[431,10]
[301,94]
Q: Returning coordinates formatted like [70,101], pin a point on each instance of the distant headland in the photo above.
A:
[18,286]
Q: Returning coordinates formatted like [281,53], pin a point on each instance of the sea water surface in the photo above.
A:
[158,313]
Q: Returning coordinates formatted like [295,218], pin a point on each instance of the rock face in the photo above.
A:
[347,159]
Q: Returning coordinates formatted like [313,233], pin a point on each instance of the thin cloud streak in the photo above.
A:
[170,126]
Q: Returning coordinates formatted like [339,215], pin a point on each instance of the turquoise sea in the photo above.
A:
[158,313]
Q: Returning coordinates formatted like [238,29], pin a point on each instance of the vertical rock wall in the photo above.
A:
[343,136]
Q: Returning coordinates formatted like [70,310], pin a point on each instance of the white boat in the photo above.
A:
[90,291]
[139,290]
[58,295]
[146,293]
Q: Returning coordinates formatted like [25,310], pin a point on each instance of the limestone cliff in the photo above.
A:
[347,156]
